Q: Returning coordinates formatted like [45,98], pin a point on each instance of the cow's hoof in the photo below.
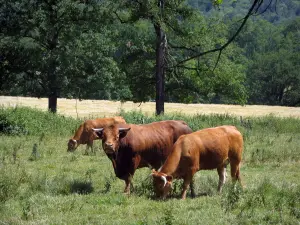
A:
[127,193]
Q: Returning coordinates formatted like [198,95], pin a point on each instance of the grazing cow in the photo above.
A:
[85,134]
[211,148]
[130,146]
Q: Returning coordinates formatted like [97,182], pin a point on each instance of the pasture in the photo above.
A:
[41,183]
[105,108]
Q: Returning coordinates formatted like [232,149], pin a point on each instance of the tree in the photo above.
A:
[54,45]
[273,77]
[167,19]
[159,13]
[127,50]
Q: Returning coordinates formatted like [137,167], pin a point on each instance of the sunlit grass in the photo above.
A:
[41,183]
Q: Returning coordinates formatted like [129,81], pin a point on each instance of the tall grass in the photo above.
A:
[28,121]
[40,183]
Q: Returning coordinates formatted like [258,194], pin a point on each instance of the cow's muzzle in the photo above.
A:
[109,149]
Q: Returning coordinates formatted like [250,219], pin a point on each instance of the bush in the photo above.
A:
[28,121]
[266,203]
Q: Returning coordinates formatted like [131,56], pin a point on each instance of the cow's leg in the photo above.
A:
[131,169]
[222,177]
[187,180]
[86,150]
[89,146]
[136,162]
[185,186]
[235,171]
[127,185]
[192,187]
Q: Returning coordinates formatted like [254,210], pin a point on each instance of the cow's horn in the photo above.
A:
[122,129]
[164,179]
[97,129]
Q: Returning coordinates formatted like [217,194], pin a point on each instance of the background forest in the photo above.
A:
[91,49]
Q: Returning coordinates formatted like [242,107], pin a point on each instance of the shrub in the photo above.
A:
[28,121]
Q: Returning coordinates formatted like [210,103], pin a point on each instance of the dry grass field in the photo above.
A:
[102,108]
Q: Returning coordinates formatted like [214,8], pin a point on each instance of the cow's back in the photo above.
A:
[152,142]
[102,122]
[157,135]
[212,145]
[89,134]
[119,119]
[78,132]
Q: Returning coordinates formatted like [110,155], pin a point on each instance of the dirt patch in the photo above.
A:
[103,108]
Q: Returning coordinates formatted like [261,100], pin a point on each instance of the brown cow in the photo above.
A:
[131,146]
[211,148]
[85,134]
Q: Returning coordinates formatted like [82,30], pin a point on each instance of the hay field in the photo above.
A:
[102,108]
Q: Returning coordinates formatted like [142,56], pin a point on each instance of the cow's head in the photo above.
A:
[162,183]
[72,145]
[111,137]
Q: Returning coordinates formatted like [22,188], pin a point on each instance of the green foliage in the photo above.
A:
[57,47]
[12,177]
[269,204]
[28,121]
[87,49]
[232,197]
[73,188]
[81,187]
[274,74]
[195,122]
[169,217]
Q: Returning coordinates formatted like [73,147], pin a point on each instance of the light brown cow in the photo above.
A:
[211,148]
[86,135]
[131,146]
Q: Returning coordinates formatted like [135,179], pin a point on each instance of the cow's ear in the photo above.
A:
[98,132]
[123,132]
[169,178]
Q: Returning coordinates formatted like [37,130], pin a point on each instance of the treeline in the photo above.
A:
[93,49]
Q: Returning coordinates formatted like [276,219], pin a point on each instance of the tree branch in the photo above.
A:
[182,47]
[220,49]
[37,40]
[218,59]
[119,18]
[265,8]
[33,77]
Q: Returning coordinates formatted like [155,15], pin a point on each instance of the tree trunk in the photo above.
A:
[160,71]
[53,85]
[160,65]
[52,102]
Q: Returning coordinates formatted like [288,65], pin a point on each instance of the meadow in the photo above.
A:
[103,108]
[41,183]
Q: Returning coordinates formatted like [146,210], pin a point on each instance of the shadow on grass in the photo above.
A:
[81,187]
[178,196]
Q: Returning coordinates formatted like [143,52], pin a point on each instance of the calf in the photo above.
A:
[131,146]
[206,149]
[85,135]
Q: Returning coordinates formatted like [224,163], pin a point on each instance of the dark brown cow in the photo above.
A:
[206,149]
[131,146]
[85,134]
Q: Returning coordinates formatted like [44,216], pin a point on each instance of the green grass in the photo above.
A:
[26,121]
[41,183]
